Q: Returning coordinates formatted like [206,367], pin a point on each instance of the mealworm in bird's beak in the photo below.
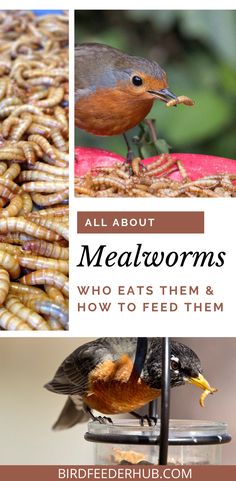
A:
[202,383]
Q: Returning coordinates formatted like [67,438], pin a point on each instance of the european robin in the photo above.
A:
[115,91]
[104,375]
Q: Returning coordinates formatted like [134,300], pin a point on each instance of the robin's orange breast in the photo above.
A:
[114,388]
[110,111]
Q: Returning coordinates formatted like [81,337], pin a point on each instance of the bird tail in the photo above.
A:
[72,413]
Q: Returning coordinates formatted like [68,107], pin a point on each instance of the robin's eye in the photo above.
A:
[137,81]
[174,365]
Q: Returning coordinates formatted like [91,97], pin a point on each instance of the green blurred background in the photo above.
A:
[197,49]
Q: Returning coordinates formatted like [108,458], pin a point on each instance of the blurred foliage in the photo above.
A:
[197,50]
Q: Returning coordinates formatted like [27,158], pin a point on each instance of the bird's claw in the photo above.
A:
[103,420]
[151,420]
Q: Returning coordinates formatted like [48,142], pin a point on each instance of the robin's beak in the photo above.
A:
[200,382]
[164,94]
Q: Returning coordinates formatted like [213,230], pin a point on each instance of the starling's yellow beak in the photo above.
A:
[202,383]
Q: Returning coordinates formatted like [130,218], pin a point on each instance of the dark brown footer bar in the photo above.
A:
[116,473]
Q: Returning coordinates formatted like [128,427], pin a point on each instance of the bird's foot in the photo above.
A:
[100,419]
[151,420]
[103,419]
[135,166]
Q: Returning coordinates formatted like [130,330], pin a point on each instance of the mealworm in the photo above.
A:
[20,224]
[58,140]
[182,99]
[5,192]
[15,238]
[54,324]
[51,169]
[105,193]
[10,184]
[37,262]
[61,155]
[22,291]
[61,117]
[53,310]
[15,306]
[161,184]
[47,276]
[3,168]
[13,208]
[4,285]
[11,322]
[7,111]
[205,394]
[41,94]
[10,263]
[50,223]
[8,146]
[47,249]
[28,151]
[55,295]
[141,193]
[12,172]
[43,144]
[3,87]
[47,121]
[12,249]
[47,187]
[7,124]
[51,211]
[17,75]
[161,168]
[11,155]
[31,175]
[38,129]
[42,81]
[55,162]
[20,129]
[109,181]
[135,166]
[25,108]
[54,98]
[27,204]
[8,102]
[84,191]
[156,163]
[50,199]
[59,72]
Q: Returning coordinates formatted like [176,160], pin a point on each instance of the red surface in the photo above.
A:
[196,165]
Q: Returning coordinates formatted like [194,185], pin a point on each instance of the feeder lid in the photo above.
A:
[181,432]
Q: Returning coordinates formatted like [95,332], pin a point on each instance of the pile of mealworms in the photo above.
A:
[34,158]
[152,180]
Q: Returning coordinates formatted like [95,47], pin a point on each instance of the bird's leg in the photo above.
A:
[151,420]
[133,162]
[151,125]
[100,419]
[130,154]
[139,139]
[160,145]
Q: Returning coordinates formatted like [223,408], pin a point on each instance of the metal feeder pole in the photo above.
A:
[140,355]
[165,401]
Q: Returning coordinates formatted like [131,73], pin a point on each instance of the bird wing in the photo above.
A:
[72,376]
